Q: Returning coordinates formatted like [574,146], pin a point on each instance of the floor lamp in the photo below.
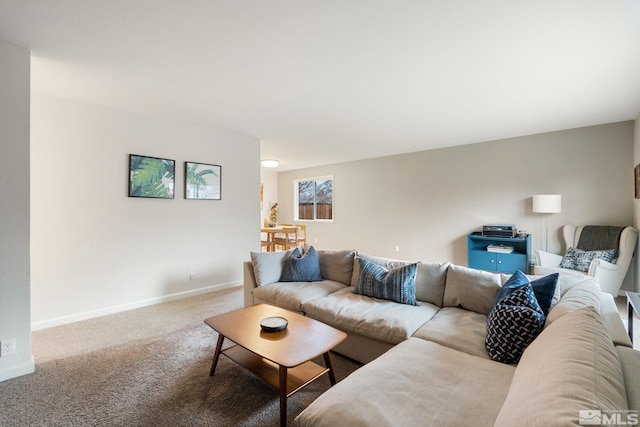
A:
[547,204]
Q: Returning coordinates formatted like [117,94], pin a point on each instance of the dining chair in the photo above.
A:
[302,233]
[266,244]
[287,239]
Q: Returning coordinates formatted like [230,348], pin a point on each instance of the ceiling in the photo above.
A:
[327,81]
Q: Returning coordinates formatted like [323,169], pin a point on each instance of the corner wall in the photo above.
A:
[96,251]
[427,202]
[14,209]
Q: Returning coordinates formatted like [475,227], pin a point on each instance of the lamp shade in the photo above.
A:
[547,203]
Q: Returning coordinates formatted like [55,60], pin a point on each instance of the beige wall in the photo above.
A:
[14,209]
[427,202]
[269,179]
[97,251]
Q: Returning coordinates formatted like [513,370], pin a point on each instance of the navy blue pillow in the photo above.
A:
[543,288]
[301,268]
[512,324]
[397,284]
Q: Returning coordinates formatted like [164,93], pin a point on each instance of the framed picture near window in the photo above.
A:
[151,177]
[202,181]
[637,180]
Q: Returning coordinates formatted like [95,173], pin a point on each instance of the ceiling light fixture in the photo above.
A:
[269,163]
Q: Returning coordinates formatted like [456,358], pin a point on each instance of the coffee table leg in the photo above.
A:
[328,364]
[283,396]
[630,319]
[216,355]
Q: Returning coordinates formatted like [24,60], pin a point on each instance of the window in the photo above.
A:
[314,199]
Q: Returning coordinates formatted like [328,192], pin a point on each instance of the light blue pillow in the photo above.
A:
[513,323]
[301,267]
[397,284]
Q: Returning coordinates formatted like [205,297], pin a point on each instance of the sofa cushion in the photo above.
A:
[336,265]
[513,323]
[267,266]
[630,363]
[299,267]
[431,279]
[374,318]
[574,294]
[579,259]
[572,366]
[416,383]
[397,284]
[293,295]
[472,289]
[543,288]
[457,328]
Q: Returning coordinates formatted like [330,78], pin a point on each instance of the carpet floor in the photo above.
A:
[147,367]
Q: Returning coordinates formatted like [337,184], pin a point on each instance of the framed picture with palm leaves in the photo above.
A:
[151,177]
[202,181]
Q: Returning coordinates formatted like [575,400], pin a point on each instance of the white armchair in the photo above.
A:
[609,274]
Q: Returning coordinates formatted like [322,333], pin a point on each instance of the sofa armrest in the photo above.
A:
[609,275]
[547,259]
[613,321]
[249,283]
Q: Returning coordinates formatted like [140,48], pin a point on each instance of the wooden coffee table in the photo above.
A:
[282,359]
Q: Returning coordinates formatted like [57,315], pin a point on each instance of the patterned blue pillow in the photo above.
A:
[579,259]
[397,284]
[301,268]
[513,323]
[543,288]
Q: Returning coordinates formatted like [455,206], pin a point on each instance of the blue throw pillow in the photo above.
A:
[301,267]
[513,323]
[543,288]
[580,260]
[397,284]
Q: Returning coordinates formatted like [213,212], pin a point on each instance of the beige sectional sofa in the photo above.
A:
[428,365]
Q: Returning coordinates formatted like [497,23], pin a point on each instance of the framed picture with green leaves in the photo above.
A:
[202,181]
[151,177]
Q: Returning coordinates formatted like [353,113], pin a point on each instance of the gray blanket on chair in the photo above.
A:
[596,237]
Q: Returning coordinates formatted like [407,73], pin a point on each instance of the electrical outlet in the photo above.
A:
[192,274]
[397,248]
[7,347]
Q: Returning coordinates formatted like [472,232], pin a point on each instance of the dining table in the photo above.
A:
[271,232]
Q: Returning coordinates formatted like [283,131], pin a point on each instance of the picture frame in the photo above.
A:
[151,177]
[637,180]
[202,181]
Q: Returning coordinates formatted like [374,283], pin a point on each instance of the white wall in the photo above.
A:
[427,202]
[636,204]
[14,209]
[97,251]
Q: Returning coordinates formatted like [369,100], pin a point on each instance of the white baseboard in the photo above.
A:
[63,320]
[17,371]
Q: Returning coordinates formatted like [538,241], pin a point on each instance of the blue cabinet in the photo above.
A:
[480,258]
